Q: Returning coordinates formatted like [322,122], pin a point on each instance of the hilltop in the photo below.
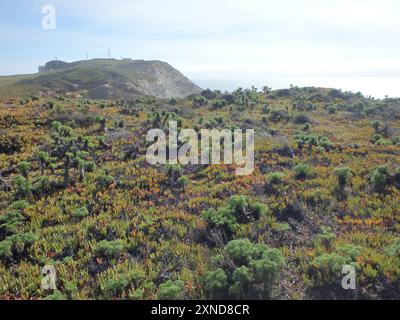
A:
[101,79]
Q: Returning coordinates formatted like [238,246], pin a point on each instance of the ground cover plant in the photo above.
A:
[77,193]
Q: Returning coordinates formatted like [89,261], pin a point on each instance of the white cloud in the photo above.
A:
[283,41]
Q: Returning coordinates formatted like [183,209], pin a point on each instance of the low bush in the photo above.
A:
[325,238]
[379,179]
[394,249]
[109,249]
[344,176]
[10,222]
[275,178]
[326,269]
[22,186]
[80,212]
[279,115]
[302,171]
[15,247]
[244,271]
[171,290]
[301,119]
[240,209]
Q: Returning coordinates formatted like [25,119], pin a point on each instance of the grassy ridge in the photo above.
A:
[102,78]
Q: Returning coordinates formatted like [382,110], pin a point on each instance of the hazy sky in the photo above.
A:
[348,44]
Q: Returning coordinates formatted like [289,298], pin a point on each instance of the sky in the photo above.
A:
[222,44]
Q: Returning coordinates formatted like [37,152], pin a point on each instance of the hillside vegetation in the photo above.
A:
[77,193]
[102,79]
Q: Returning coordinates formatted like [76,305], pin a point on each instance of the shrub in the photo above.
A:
[376,138]
[293,209]
[173,101]
[376,125]
[383,142]
[264,120]
[244,271]
[332,109]
[215,283]
[379,179]
[22,185]
[349,251]
[23,168]
[239,210]
[223,223]
[80,212]
[199,101]
[302,171]
[136,294]
[396,141]
[394,250]
[105,180]
[222,219]
[70,149]
[118,282]
[218,104]
[57,296]
[43,184]
[209,94]
[78,118]
[301,119]
[109,249]
[275,178]
[266,109]
[242,279]
[171,290]
[344,176]
[312,140]
[305,127]
[19,205]
[13,247]
[5,249]
[114,287]
[325,143]
[326,238]
[358,107]
[10,222]
[279,115]
[11,143]
[327,268]
[89,166]
[183,181]
[229,98]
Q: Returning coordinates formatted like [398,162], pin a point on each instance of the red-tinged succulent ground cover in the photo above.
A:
[77,193]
